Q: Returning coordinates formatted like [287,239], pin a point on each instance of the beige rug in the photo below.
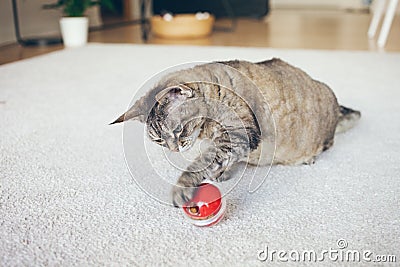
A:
[67,198]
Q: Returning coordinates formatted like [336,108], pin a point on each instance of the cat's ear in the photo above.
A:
[137,112]
[180,92]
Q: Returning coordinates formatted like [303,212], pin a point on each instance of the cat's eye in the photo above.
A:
[159,141]
[178,129]
[185,143]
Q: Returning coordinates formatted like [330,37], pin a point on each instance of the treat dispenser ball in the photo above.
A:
[207,207]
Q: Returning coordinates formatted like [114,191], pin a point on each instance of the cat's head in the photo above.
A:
[173,116]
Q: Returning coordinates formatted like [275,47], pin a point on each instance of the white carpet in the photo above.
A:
[67,197]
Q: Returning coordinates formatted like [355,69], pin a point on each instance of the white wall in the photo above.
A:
[34,20]
[7,34]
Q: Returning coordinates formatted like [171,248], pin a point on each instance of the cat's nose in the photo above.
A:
[175,149]
[173,146]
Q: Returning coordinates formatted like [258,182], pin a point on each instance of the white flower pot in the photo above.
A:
[74,31]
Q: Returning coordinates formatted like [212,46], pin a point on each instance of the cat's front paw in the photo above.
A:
[182,195]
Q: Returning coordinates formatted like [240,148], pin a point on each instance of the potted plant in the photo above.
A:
[74,25]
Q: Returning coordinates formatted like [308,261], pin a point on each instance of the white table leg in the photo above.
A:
[387,23]
[378,12]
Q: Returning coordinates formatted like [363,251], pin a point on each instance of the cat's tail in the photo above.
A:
[347,119]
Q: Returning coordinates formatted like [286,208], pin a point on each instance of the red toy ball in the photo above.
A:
[207,207]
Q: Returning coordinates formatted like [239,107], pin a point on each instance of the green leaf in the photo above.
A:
[77,8]
[108,4]
[54,5]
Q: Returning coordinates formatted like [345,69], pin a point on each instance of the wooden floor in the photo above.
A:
[301,29]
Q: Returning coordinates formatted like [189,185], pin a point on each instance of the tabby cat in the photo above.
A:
[291,113]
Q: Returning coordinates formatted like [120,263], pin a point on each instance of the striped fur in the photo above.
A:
[290,110]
